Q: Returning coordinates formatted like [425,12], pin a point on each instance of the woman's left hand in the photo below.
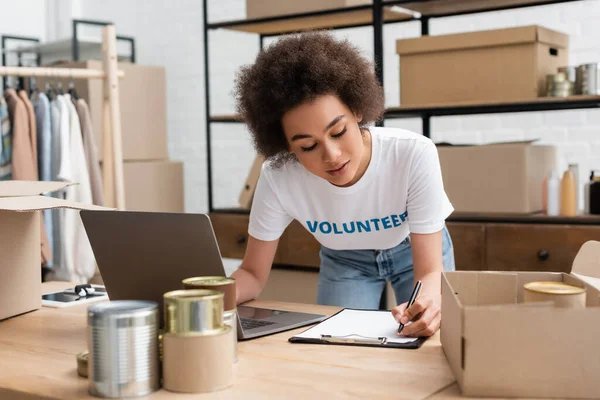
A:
[425,316]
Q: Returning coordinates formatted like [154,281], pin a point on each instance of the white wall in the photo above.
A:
[170,34]
[22,18]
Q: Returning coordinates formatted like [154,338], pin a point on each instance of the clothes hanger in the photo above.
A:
[33,88]
[72,90]
[60,88]
[50,91]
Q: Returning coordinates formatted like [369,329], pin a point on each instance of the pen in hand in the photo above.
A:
[413,298]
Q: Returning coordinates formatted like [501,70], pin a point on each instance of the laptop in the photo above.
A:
[142,255]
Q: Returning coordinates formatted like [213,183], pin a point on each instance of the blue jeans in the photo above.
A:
[356,278]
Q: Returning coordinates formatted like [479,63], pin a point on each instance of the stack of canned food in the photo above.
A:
[197,347]
[583,79]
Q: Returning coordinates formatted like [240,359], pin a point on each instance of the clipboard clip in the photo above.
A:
[351,339]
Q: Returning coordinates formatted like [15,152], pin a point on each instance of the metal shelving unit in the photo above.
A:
[376,15]
[73,45]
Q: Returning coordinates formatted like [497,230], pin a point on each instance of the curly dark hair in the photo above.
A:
[300,68]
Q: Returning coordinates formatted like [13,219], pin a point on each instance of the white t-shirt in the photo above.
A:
[400,192]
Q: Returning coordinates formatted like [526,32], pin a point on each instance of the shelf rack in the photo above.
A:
[4,40]
[376,15]
[74,44]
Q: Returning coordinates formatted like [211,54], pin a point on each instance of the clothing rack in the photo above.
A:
[112,167]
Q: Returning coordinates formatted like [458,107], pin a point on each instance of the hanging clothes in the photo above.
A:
[24,166]
[78,256]
[32,128]
[5,143]
[43,119]
[91,152]
[60,128]
[24,158]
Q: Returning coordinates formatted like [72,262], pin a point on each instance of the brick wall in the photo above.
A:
[170,34]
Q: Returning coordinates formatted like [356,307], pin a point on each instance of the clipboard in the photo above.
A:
[358,327]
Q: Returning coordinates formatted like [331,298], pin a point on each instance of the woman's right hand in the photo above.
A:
[252,276]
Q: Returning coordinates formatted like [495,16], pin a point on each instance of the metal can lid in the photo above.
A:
[208,280]
[193,295]
[553,288]
[121,310]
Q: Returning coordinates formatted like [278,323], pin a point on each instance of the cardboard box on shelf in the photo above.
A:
[498,346]
[155,186]
[500,177]
[271,8]
[247,192]
[142,93]
[21,203]
[487,66]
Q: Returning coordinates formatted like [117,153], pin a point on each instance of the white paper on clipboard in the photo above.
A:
[358,323]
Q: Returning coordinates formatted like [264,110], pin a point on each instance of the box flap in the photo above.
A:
[29,188]
[512,143]
[489,38]
[452,332]
[586,265]
[36,203]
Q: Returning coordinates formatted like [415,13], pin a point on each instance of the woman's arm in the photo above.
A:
[428,267]
[253,274]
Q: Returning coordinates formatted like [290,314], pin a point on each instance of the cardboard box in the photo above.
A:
[498,346]
[501,177]
[293,285]
[155,186]
[142,93]
[488,66]
[21,203]
[271,8]
[247,192]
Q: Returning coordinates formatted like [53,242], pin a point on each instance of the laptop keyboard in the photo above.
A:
[248,323]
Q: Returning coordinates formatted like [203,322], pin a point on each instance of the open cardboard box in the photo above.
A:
[498,346]
[21,203]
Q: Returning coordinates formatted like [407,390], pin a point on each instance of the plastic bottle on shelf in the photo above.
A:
[568,208]
[586,194]
[545,195]
[595,196]
[553,194]
[574,168]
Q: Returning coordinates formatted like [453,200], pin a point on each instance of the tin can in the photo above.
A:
[230,319]
[227,286]
[562,294]
[123,348]
[570,72]
[220,283]
[193,311]
[198,363]
[587,80]
[557,85]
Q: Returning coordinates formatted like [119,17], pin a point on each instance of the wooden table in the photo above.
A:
[37,361]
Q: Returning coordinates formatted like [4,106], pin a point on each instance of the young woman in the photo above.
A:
[372,196]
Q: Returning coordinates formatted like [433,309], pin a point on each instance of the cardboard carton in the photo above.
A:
[143,100]
[271,8]
[21,203]
[500,65]
[247,192]
[154,186]
[499,177]
[498,346]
